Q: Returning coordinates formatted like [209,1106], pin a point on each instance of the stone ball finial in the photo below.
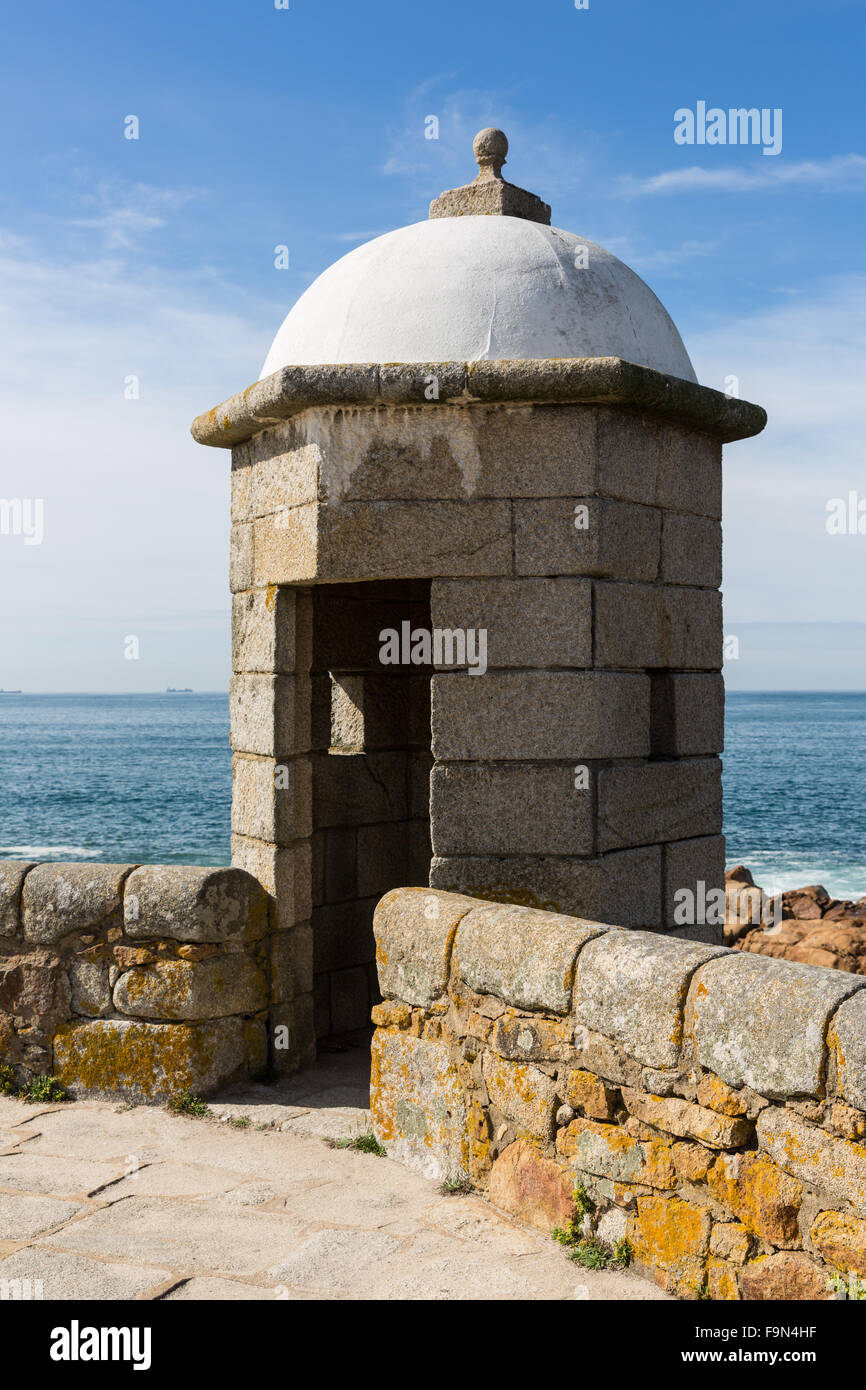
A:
[490,147]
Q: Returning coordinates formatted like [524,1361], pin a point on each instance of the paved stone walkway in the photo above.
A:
[100,1200]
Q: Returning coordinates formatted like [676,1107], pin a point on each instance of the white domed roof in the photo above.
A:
[469,288]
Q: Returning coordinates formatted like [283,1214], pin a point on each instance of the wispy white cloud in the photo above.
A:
[805,362]
[123,215]
[135,514]
[672,257]
[843,171]
[542,157]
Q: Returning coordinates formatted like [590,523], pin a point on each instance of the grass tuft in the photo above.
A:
[363,1143]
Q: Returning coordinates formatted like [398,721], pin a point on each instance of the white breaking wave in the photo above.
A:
[48,851]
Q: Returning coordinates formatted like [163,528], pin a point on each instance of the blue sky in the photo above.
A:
[258,126]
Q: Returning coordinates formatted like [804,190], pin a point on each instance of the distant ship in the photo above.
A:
[171,690]
[9,692]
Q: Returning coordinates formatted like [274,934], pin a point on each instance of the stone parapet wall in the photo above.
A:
[142,982]
[706,1106]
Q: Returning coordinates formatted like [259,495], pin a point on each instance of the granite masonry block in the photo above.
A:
[536,715]
[687,714]
[369,540]
[263,630]
[624,887]
[241,557]
[285,872]
[692,870]
[691,550]
[641,459]
[586,536]
[12,875]
[849,1037]
[644,803]
[271,798]
[638,626]
[360,789]
[270,715]
[291,964]
[61,898]
[218,987]
[148,1063]
[502,808]
[529,622]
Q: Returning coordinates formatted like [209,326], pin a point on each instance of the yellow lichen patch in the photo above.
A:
[715,1095]
[150,1061]
[722,1283]
[766,1200]
[840,1239]
[666,1231]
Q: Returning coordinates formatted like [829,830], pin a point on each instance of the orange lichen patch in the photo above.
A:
[670,1234]
[766,1200]
[126,956]
[417,1102]
[522,1092]
[788,1275]
[270,597]
[147,1060]
[587,1092]
[722,1285]
[391,1015]
[841,1240]
[607,1151]
[692,1161]
[478,1131]
[715,1095]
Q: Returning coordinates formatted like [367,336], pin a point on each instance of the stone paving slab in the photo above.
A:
[104,1201]
[23,1217]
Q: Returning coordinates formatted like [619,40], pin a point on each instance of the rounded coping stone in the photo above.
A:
[763,1022]
[849,1027]
[414,930]
[632,986]
[189,903]
[57,899]
[522,955]
[12,874]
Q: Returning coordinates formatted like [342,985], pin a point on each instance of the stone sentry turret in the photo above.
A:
[478,441]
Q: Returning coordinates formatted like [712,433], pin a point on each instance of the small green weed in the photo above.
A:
[43,1088]
[455,1187]
[185,1103]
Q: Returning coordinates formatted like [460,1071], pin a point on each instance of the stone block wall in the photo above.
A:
[141,982]
[708,1107]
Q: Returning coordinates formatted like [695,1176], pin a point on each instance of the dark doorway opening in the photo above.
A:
[371,785]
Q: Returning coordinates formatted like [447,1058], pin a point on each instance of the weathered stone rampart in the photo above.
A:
[140,982]
[705,1106]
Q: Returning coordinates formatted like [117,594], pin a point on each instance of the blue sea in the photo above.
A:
[147,779]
